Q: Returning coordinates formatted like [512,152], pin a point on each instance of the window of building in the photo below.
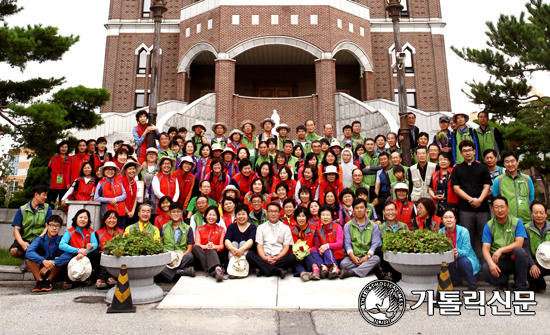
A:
[411,98]
[409,63]
[405,11]
[140,100]
[142,61]
[313,19]
[146,8]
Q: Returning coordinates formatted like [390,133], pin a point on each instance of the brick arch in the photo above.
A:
[362,57]
[193,52]
[271,40]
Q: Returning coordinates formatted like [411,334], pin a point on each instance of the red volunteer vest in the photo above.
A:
[85,190]
[78,240]
[185,183]
[103,236]
[112,191]
[330,238]
[210,233]
[59,167]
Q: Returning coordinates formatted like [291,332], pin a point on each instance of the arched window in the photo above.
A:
[409,61]
[146,8]
[142,61]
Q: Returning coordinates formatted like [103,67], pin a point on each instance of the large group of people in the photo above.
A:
[317,206]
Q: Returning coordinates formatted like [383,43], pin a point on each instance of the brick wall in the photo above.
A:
[293,111]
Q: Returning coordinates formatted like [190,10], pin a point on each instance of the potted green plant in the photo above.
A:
[144,258]
[417,255]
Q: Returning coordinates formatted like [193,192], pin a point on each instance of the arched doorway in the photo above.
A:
[201,75]
[348,74]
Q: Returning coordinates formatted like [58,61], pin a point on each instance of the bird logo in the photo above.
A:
[382,303]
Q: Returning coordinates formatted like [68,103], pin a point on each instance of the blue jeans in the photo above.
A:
[464,268]
[303,265]
[326,259]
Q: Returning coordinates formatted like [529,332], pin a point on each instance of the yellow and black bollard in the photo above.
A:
[122,300]
[444,282]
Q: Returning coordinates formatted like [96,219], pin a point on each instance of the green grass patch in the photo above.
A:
[6,259]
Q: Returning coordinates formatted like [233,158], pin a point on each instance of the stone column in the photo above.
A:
[368,79]
[325,72]
[181,86]
[225,88]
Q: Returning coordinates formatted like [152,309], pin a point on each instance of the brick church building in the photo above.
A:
[294,56]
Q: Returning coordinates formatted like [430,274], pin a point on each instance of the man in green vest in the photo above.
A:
[357,177]
[503,252]
[356,130]
[489,137]
[197,219]
[361,238]
[538,231]
[370,164]
[29,223]
[143,224]
[258,216]
[248,128]
[311,135]
[178,238]
[462,133]
[515,186]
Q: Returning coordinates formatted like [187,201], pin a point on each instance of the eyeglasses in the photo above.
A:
[56,226]
[390,210]
[467,150]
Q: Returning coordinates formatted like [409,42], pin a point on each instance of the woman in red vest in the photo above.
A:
[243,179]
[406,210]
[80,241]
[313,209]
[426,218]
[57,170]
[441,189]
[110,192]
[268,176]
[83,188]
[228,207]
[256,188]
[218,179]
[328,245]
[164,184]
[163,216]
[140,134]
[285,177]
[185,178]
[101,155]
[229,158]
[209,243]
[289,208]
[330,159]
[75,162]
[121,156]
[346,209]
[310,159]
[303,231]
[331,182]
[109,229]
[310,180]
[128,179]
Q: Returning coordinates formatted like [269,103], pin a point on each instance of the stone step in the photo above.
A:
[12,273]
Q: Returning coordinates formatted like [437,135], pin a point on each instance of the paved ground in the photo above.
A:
[21,312]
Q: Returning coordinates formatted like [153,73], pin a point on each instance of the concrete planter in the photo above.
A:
[419,270]
[141,271]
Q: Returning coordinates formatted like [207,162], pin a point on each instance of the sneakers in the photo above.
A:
[219,274]
[24,267]
[38,287]
[324,271]
[305,276]
[111,281]
[333,274]
[189,272]
[316,274]
[472,287]
[388,276]
[100,283]
[47,286]
[344,274]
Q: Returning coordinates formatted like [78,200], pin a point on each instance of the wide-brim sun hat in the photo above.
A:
[231,188]
[162,159]
[267,120]
[331,169]
[460,113]
[198,124]
[235,131]
[152,150]
[216,146]
[281,126]
[219,124]
[228,149]
[249,122]
[543,255]
[188,160]
[128,164]
[79,270]
[335,144]
[238,266]
[176,257]
[110,165]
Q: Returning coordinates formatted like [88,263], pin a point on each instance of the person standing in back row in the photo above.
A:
[471,181]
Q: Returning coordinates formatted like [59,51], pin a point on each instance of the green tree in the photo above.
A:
[517,48]
[531,130]
[35,124]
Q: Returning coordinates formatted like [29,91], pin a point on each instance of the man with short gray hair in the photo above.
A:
[144,215]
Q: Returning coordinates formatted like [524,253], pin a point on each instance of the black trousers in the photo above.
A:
[54,194]
[209,259]
[396,276]
[538,283]
[287,261]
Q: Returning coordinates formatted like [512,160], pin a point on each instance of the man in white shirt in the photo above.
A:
[274,242]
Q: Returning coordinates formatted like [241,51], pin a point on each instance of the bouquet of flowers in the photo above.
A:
[442,139]
[300,249]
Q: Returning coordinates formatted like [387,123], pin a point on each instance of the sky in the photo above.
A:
[83,63]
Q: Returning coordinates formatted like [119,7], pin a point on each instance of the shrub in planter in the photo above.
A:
[135,243]
[417,241]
